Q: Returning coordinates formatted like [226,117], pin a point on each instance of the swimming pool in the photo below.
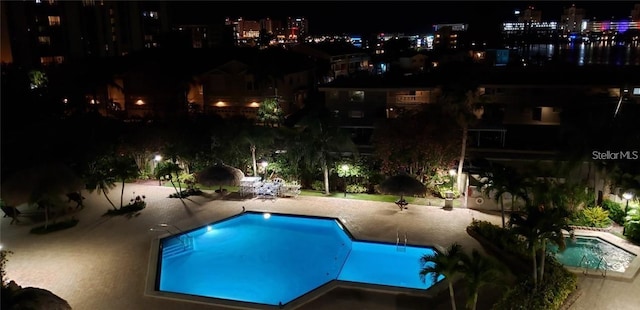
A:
[586,252]
[273,259]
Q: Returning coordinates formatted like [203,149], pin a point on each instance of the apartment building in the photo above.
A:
[522,107]
[47,32]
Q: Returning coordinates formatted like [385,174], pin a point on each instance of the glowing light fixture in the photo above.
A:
[266,216]
[139,102]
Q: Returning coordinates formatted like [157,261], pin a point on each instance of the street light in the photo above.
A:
[264,164]
[156,160]
[627,196]
[452,173]
[345,168]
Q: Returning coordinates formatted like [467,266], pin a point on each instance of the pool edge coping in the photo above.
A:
[152,273]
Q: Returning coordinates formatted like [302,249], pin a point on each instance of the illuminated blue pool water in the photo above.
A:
[587,252]
[272,259]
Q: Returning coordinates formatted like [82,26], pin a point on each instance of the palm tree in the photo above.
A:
[478,271]
[503,180]
[541,224]
[445,264]
[123,168]
[171,171]
[320,141]
[256,137]
[97,177]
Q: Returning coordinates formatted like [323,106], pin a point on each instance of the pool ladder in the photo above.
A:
[187,241]
[401,247]
[600,265]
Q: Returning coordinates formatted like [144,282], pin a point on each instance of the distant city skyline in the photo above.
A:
[363,17]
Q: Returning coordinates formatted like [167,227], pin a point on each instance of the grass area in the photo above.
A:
[41,230]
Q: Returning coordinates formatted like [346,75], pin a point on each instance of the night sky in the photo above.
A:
[361,17]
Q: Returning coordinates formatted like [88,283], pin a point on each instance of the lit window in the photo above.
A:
[356,114]
[636,91]
[356,96]
[54,20]
[46,60]
[44,40]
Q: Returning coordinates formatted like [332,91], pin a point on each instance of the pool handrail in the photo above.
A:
[604,268]
[586,266]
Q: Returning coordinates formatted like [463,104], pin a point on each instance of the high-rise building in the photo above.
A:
[297,28]
[49,32]
[635,13]
[530,14]
[571,20]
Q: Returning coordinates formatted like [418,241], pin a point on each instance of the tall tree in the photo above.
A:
[479,270]
[270,113]
[543,222]
[97,176]
[447,264]
[502,180]
[463,102]
[417,143]
[123,168]
[321,141]
[171,171]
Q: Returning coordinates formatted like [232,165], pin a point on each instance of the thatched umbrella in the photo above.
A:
[402,184]
[219,175]
[36,183]
[40,184]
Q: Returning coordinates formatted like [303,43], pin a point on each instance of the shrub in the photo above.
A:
[550,294]
[136,204]
[502,238]
[632,227]
[186,193]
[443,189]
[41,230]
[356,189]
[317,185]
[616,211]
[592,217]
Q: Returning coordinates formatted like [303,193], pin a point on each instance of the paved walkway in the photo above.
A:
[102,262]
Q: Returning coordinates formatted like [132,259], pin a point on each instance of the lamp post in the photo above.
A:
[345,168]
[156,160]
[627,196]
[452,174]
[264,164]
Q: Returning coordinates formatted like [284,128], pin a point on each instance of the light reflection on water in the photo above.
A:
[599,53]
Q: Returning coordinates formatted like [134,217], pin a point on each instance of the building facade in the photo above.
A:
[51,32]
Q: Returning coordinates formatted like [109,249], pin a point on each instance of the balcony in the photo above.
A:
[407,99]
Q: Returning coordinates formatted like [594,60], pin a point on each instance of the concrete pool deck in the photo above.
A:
[102,262]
